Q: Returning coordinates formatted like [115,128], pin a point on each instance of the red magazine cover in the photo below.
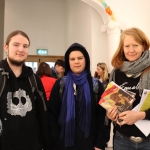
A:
[114,95]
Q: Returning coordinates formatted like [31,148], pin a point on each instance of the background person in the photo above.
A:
[102,74]
[77,122]
[132,72]
[58,69]
[45,73]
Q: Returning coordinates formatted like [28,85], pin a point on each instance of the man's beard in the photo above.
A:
[16,63]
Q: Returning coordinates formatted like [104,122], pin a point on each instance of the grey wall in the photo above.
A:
[55,24]
[42,20]
[2,6]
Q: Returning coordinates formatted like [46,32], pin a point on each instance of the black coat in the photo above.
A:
[54,74]
[24,119]
[99,131]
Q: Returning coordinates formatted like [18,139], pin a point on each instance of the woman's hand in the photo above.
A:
[96,148]
[130,117]
[112,113]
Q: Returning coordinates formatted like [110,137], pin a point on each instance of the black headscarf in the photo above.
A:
[75,47]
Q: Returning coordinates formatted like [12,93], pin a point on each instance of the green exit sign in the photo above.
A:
[42,52]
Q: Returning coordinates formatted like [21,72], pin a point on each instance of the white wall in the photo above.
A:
[133,13]
[83,26]
[99,42]
[42,20]
[78,24]
[55,25]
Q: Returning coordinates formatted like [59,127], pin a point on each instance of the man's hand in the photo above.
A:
[112,113]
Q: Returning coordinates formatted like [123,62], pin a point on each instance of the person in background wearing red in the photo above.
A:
[45,73]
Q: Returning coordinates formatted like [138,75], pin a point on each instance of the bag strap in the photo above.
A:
[34,87]
[3,75]
[95,87]
[33,83]
[62,84]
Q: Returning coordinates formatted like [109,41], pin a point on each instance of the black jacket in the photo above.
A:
[24,119]
[99,133]
[54,74]
[131,84]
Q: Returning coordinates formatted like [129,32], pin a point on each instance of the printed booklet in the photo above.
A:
[114,95]
[144,105]
[145,101]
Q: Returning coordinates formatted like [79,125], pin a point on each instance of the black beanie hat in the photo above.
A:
[76,47]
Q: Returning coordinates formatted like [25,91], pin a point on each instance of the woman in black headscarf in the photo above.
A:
[77,122]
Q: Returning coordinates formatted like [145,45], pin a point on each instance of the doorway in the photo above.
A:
[33,61]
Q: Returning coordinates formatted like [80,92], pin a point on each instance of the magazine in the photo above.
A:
[143,125]
[114,95]
[144,105]
[145,101]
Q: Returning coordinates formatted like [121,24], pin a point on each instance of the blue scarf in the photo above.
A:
[67,113]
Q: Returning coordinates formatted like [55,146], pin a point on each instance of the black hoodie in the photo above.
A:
[99,131]
[24,119]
